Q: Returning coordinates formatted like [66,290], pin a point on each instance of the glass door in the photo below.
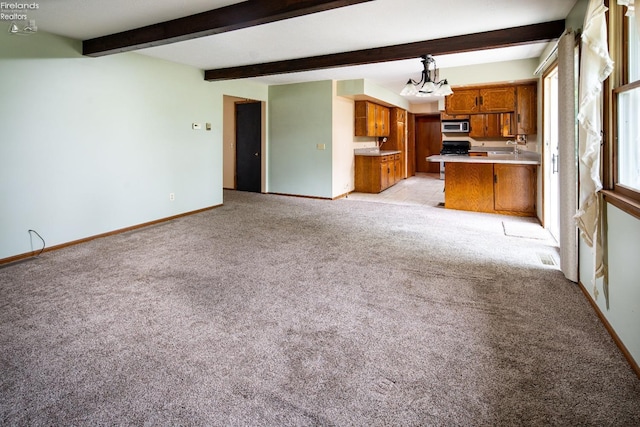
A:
[551,182]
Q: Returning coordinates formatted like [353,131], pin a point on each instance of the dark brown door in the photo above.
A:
[248,146]
[428,142]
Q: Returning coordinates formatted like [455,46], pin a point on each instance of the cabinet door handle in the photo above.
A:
[495,179]
[481,101]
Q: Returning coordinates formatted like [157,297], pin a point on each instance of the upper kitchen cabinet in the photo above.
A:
[462,101]
[497,99]
[371,119]
[500,99]
[527,109]
[485,126]
[520,101]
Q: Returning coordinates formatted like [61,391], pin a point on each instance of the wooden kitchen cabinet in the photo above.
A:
[462,101]
[492,125]
[468,186]
[508,189]
[514,188]
[527,109]
[397,139]
[371,119]
[485,125]
[398,168]
[445,116]
[518,105]
[377,173]
[499,99]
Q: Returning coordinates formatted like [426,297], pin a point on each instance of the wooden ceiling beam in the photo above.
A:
[228,18]
[464,43]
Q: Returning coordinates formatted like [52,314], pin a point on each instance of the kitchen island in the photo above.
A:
[492,181]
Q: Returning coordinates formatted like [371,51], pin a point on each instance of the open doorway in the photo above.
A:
[550,162]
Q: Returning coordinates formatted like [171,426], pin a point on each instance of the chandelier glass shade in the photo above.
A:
[428,85]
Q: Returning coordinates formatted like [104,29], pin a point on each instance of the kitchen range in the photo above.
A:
[453,148]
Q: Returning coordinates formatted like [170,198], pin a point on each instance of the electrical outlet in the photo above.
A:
[172,196]
[196,126]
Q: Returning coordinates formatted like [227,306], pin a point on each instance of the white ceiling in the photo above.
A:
[366,25]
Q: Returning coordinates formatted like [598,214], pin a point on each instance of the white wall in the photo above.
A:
[229,141]
[343,144]
[497,72]
[92,145]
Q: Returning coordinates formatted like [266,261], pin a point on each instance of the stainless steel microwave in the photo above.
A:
[451,126]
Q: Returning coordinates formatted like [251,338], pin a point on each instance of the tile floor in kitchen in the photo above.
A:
[422,189]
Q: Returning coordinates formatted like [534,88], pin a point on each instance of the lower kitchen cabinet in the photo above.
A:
[491,187]
[377,173]
[468,186]
[514,188]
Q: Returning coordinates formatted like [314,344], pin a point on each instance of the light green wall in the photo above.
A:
[92,145]
[622,235]
[300,117]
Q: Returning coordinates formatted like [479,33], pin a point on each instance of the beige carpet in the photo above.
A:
[284,311]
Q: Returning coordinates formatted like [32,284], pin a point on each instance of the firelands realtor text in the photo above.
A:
[15,11]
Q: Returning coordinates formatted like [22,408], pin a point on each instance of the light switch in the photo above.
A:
[321,146]
[207,126]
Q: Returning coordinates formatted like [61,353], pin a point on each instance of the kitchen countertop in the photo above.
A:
[523,158]
[374,152]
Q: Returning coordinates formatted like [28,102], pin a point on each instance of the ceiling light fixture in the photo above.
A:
[29,28]
[429,85]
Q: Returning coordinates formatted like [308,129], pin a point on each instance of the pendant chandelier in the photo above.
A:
[429,85]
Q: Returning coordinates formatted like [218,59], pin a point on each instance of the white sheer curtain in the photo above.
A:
[567,156]
[630,6]
[595,67]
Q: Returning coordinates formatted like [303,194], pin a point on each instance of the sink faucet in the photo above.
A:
[516,150]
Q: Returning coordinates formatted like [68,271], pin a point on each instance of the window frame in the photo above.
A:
[623,197]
